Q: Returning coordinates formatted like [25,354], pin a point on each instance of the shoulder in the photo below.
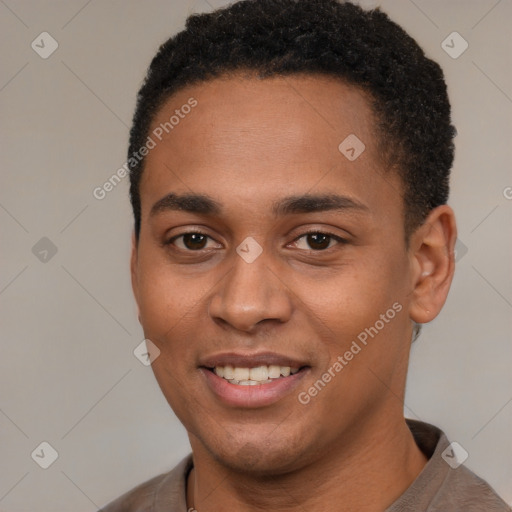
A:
[445,484]
[168,488]
[463,490]
[139,499]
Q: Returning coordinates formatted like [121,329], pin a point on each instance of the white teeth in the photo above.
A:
[241,374]
[285,371]
[228,372]
[259,373]
[251,376]
[274,371]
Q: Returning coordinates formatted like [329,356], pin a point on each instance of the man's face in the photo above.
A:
[259,149]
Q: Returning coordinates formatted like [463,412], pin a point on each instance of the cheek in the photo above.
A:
[158,303]
[355,298]
[361,316]
[164,297]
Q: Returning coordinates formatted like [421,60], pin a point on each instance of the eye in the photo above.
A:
[317,241]
[193,241]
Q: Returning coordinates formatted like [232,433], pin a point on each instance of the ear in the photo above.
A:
[432,248]
[134,271]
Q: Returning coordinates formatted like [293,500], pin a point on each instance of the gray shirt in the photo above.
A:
[438,488]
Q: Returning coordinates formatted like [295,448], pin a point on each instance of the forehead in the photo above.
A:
[296,111]
[264,135]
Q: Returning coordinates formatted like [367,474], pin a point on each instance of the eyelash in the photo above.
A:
[337,238]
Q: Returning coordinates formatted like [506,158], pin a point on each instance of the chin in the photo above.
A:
[260,457]
[257,462]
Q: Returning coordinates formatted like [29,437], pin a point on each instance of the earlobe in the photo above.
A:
[433,263]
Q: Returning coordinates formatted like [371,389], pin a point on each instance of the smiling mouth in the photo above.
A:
[259,375]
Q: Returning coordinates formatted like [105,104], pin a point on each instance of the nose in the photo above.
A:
[250,294]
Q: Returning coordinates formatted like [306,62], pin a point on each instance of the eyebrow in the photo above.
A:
[306,203]
[192,203]
[309,203]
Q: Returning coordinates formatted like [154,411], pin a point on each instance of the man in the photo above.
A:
[289,169]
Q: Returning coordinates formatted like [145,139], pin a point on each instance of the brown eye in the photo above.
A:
[191,241]
[194,241]
[318,241]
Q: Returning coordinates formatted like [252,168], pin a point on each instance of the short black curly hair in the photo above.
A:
[328,37]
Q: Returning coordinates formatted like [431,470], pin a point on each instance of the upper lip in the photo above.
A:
[248,360]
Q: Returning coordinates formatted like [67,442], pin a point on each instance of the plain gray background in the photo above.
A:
[68,375]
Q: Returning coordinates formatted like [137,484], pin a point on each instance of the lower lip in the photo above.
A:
[259,395]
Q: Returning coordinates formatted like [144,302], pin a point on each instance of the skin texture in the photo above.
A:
[247,144]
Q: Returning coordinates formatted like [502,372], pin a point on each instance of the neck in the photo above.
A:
[366,474]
